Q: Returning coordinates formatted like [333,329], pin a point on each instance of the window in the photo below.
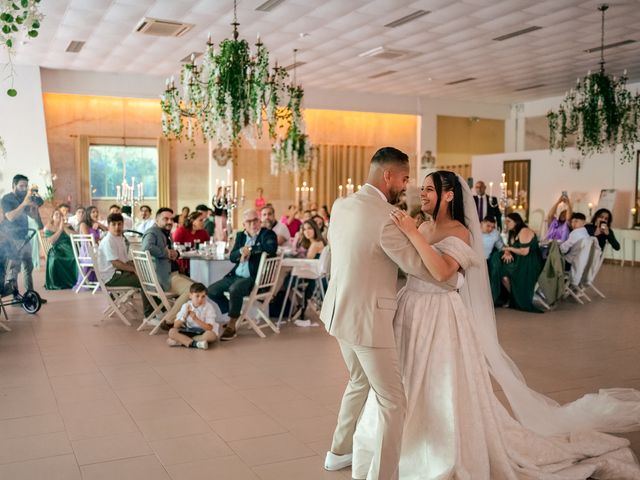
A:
[108,164]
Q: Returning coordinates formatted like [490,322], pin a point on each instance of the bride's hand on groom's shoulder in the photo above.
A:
[404,222]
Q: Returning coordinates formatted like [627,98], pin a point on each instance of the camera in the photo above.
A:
[564,194]
[35,198]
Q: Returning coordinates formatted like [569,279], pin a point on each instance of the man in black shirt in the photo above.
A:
[17,205]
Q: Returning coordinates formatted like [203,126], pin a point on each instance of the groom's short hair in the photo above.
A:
[389,155]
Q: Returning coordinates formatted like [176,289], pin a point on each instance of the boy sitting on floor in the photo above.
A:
[195,325]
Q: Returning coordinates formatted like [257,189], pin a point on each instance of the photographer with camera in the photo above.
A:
[600,227]
[18,205]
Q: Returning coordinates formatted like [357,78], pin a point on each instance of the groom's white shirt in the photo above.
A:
[366,250]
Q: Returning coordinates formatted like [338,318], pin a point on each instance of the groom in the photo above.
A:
[366,250]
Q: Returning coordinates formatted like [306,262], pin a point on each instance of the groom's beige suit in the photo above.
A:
[366,250]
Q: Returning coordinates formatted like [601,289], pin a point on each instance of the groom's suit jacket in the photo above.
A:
[366,250]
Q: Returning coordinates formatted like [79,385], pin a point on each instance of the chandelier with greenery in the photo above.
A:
[228,97]
[600,112]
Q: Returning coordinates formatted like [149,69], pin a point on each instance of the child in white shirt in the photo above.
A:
[195,325]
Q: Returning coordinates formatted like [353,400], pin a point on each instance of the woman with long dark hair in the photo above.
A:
[191,233]
[448,352]
[514,271]
[600,227]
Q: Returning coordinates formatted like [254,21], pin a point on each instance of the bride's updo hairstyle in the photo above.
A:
[446,181]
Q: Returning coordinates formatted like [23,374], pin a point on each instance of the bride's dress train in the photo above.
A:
[456,428]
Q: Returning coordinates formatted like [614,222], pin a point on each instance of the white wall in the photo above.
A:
[549,177]
[23,129]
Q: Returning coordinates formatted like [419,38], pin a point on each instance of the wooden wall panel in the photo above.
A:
[461,137]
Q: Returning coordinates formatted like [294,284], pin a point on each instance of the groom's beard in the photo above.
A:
[394,196]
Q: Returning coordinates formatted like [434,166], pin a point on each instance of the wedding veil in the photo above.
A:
[611,410]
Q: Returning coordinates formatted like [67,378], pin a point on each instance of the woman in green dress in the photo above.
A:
[62,271]
[517,266]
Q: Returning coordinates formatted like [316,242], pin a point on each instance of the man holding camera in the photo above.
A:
[17,206]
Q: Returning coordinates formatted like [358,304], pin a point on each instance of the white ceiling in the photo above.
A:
[453,42]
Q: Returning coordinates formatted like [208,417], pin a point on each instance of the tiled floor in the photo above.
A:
[85,399]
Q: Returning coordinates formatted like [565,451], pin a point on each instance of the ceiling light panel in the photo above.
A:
[407,18]
[517,33]
[269,5]
[610,45]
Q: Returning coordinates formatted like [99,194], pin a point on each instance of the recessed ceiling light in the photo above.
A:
[463,80]
[517,33]
[304,35]
[610,45]
[408,18]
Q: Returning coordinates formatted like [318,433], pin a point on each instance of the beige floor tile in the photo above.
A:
[112,447]
[63,467]
[80,380]
[168,407]
[131,375]
[231,407]
[91,409]
[312,429]
[28,426]
[173,426]
[309,468]
[85,428]
[231,468]
[69,364]
[84,394]
[35,446]
[253,381]
[190,449]
[276,394]
[239,428]
[146,393]
[285,412]
[138,468]
[270,449]
[114,355]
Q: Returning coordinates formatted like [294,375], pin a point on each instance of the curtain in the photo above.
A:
[164,186]
[83,179]
[333,165]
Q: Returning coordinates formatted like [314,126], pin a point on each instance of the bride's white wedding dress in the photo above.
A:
[456,428]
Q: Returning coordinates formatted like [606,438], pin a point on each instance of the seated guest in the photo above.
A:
[75,221]
[311,242]
[569,247]
[195,326]
[157,241]
[491,239]
[127,216]
[319,221]
[558,223]
[324,213]
[306,215]
[90,225]
[291,220]
[114,266]
[209,224]
[268,218]
[64,208]
[517,266]
[193,232]
[183,215]
[61,272]
[600,227]
[146,221]
[239,282]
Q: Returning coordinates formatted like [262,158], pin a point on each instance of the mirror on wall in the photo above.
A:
[517,176]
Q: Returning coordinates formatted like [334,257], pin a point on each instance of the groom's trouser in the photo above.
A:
[375,368]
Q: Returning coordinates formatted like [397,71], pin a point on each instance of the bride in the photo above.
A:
[445,331]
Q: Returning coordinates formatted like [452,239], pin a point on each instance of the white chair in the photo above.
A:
[579,264]
[537,222]
[83,245]
[118,298]
[158,298]
[258,300]
[596,259]
[45,244]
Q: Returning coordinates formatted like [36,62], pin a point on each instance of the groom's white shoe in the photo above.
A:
[337,462]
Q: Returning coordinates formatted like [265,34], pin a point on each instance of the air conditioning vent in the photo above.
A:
[269,5]
[383,74]
[162,28]
[384,53]
[409,18]
[187,59]
[75,46]
[530,87]
[463,80]
[517,33]
[611,45]
[294,65]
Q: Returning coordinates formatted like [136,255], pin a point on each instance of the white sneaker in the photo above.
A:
[155,321]
[202,345]
[335,462]
[172,343]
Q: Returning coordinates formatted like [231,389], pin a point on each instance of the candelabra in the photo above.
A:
[349,188]
[304,194]
[503,203]
[130,195]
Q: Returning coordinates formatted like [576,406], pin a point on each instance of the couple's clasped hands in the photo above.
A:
[404,222]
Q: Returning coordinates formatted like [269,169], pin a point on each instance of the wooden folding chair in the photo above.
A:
[117,297]
[158,298]
[596,259]
[83,245]
[45,244]
[262,293]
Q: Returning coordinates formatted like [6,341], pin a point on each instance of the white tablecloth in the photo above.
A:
[207,270]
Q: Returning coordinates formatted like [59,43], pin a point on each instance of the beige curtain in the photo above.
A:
[333,165]
[83,178]
[164,186]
